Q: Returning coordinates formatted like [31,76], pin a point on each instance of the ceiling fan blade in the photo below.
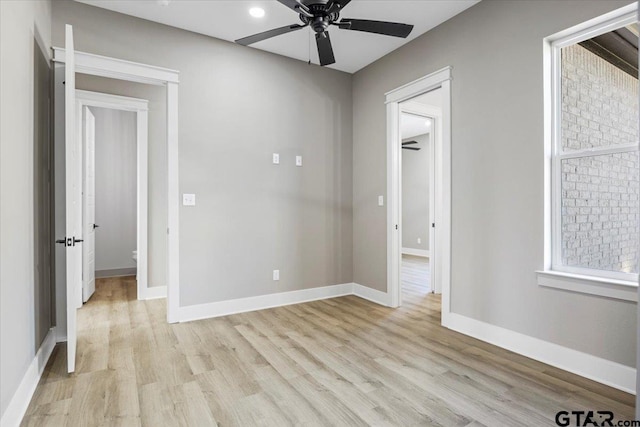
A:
[378,27]
[409,142]
[295,5]
[268,34]
[325,50]
[411,148]
[337,5]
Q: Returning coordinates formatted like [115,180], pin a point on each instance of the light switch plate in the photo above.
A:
[276,158]
[188,200]
[298,160]
[276,274]
[380,200]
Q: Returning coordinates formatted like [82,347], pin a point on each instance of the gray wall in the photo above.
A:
[495,49]
[415,194]
[237,106]
[20,24]
[116,193]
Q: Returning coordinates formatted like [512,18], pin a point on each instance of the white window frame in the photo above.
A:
[579,279]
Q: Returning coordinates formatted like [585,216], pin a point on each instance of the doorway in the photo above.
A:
[114,134]
[68,176]
[428,98]
[417,132]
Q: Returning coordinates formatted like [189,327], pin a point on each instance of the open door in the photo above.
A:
[73,221]
[89,205]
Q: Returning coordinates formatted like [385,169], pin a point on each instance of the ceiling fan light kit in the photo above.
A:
[319,15]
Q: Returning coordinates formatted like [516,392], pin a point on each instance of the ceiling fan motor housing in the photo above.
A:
[322,17]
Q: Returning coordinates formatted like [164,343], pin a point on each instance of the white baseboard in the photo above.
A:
[242,305]
[416,252]
[586,365]
[116,272]
[60,334]
[153,292]
[373,295]
[20,402]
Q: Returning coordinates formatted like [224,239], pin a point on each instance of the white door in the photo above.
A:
[73,196]
[89,205]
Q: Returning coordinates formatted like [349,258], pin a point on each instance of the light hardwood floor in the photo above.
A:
[338,362]
[416,274]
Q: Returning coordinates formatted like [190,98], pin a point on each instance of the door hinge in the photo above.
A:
[396,226]
[433,225]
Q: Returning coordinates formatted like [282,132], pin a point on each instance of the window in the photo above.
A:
[594,174]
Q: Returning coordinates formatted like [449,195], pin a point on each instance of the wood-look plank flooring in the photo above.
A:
[337,362]
[416,274]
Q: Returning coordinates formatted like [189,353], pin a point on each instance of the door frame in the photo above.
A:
[435,114]
[442,170]
[102,66]
[141,108]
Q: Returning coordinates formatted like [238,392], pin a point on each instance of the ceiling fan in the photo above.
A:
[319,15]
[410,148]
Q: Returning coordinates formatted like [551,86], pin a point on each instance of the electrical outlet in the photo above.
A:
[419,240]
[298,160]
[188,200]
[380,200]
[276,274]
[276,158]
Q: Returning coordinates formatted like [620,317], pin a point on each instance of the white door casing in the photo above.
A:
[73,220]
[441,249]
[115,68]
[89,205]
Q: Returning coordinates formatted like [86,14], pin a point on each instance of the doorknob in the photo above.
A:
[76,240]
[66,242]
[95,226]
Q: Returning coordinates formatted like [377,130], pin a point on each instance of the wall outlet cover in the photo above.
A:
[276,158]
[298,160]
[188,200]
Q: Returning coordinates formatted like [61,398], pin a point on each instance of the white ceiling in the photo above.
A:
[412,125]
[230,20]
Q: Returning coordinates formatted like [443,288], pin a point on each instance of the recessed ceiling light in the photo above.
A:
[256,12]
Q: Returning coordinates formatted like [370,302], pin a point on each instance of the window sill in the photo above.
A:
[610,288]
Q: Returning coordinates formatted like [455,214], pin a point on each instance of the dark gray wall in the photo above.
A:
[237,106]
[495,49]
[42,195]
